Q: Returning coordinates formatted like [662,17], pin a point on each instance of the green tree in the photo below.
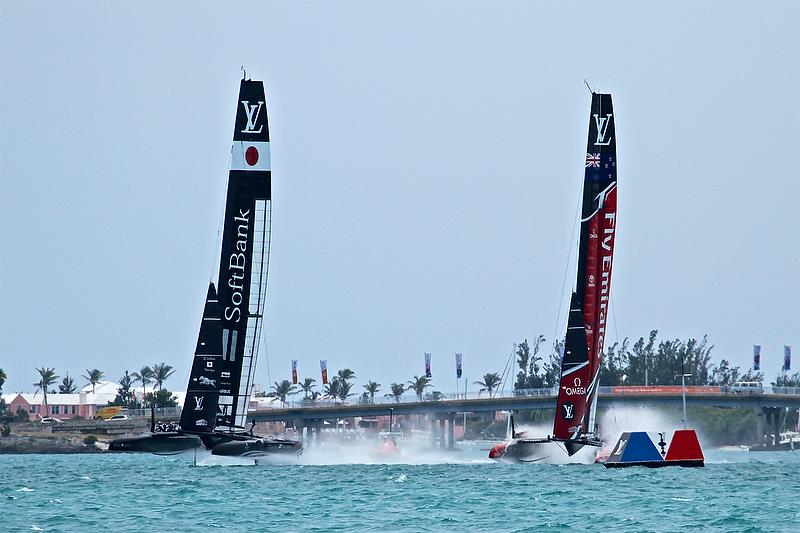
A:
[145,377]
[161,371]
[371,388]
[93,377]
[282,389]
[528,361]
[397,391]
[47,376]
[724,374]
[552,369]
[161,398]
[784,380]
[344,390]
[614,366]
[307,386]
[3,378]
[418,384]
[125,395]
[642,359]
[331,390]
[490,383]
[346,374]
[67,385]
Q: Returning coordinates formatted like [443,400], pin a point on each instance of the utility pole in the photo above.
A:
[683,375]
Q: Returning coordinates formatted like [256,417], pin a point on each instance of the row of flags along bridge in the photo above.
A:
[323,368]
[787,358]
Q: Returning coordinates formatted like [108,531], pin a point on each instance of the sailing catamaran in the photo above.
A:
[574,425]
[218,393]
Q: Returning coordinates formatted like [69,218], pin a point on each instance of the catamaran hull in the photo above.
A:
[256,448]
[523,451]
[166,443]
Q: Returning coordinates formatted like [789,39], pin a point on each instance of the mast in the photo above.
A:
[588,310]
[222,372]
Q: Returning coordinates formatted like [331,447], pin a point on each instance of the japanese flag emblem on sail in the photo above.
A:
[247,155]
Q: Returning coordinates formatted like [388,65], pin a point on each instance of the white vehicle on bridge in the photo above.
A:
[747,387]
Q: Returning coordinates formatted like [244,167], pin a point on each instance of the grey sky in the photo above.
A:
[427,160]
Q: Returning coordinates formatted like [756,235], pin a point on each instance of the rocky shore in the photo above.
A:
[46,444]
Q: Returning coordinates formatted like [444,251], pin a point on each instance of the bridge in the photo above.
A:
[769,402]
[533,399]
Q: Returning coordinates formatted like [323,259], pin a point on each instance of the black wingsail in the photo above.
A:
[222,372]
[586,326]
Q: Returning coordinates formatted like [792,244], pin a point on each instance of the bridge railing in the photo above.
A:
[630,390]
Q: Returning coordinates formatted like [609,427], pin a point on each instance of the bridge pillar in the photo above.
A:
[760,425]
[451,423]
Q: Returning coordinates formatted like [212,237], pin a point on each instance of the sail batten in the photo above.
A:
[586,325]
[220,385]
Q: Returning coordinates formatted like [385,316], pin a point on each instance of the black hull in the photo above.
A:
[166,443]
[783,447]
[657,464]
[257,447]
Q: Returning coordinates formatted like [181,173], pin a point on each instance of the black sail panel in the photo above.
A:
[242,269]
[202,394]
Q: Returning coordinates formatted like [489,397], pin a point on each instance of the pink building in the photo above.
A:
[62,406]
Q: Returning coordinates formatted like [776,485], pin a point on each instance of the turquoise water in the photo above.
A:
[738,491]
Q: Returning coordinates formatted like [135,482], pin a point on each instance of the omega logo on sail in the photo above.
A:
[575,389]
[236,267]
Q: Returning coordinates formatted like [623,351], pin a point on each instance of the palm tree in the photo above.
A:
[67,385]
[332,389]
[307,386]
[3,378]
[490,383]
[344,390]
[397,391]
[371,388]
[418,385]
[282,390]
[145,377]
[161,371]
[47,376]
[93,377]
[346,374]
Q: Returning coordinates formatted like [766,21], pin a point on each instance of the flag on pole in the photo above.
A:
[323,367]
[458,366]
[294,371]
[787,358]
[756,357]
[427,365]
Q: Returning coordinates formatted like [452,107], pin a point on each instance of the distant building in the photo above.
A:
[63,406]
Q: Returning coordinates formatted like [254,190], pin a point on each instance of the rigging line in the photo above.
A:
[506,368]
[566,267]
[262,333]
[587,85]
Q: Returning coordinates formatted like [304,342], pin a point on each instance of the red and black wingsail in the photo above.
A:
[586,326]
[227,346]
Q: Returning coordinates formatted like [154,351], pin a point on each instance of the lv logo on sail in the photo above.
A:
[252,112]
[602,129]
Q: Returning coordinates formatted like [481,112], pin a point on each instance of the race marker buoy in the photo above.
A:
[635,448]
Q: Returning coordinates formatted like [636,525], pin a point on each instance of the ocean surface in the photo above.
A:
[335,490]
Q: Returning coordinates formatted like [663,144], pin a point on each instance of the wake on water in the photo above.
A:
[336,451]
